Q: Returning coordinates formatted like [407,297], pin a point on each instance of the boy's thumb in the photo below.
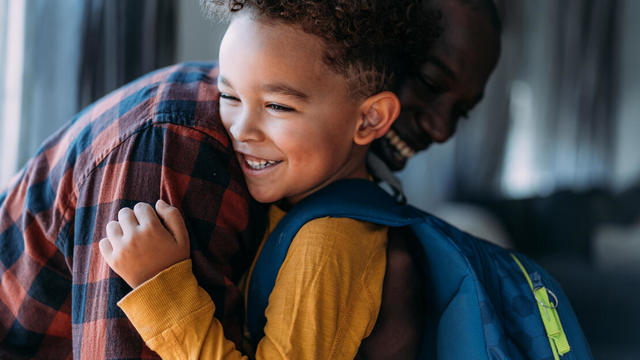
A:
[173,221]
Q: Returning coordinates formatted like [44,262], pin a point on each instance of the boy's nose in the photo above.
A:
[245,127]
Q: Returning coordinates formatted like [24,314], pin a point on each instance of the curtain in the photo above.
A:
[5,169]
[50,80]
[4,7]
[573,95]
[75,51]
[122,40]
[556,89]
[12,18]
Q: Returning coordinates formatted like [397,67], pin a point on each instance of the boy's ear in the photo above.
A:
[378,112]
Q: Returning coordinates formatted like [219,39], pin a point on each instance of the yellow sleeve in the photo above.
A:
[328,291]
[325,301]
[175,318]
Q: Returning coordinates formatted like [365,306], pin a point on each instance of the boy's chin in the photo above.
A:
[260,195]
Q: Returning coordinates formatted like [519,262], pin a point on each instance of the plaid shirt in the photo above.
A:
[159,137]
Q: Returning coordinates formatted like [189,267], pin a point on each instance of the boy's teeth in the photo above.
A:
[259,165]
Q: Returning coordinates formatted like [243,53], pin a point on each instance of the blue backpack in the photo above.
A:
[490,303]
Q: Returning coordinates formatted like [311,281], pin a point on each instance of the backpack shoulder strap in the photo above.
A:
[353,198]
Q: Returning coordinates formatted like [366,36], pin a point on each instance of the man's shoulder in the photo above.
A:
[182,97]
[184,72]
[150,92]
[181,82]
[182,93]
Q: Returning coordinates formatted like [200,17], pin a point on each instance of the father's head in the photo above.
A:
[449,83]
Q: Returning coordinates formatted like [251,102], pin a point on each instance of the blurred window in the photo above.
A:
[12,15]
[57,57]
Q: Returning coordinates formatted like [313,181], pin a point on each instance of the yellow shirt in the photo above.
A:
[325,301]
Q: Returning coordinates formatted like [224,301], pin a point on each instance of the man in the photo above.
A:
[157,138]
[451,82]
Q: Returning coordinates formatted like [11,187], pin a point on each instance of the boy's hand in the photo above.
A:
[138,246]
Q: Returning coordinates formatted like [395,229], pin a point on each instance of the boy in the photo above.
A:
[304,90]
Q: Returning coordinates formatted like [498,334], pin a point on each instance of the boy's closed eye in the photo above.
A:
[273,106]
[280,108]
[225,96]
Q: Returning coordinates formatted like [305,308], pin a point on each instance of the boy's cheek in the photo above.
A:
[224,117]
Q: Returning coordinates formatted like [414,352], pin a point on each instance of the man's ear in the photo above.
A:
[377,114]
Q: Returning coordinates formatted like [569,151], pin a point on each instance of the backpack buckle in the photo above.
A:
[550,304]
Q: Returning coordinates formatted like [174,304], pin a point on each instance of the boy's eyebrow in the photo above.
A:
[280,88]
[223,80]
[285,89]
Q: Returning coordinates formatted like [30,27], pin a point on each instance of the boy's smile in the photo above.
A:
[257,163]
[290,117]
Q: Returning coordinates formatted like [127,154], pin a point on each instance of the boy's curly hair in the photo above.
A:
[373,43]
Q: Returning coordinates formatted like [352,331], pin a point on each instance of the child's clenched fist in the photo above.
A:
[138,246]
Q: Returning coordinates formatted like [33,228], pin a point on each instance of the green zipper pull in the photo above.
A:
[552,325]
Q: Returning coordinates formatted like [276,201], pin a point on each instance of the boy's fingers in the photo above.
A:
[173,220]
[106,249]
[114,230]
[127,219]
[146,215]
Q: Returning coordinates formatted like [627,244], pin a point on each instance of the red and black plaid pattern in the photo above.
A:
[158,137]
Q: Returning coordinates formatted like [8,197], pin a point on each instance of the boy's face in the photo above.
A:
[289,116]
